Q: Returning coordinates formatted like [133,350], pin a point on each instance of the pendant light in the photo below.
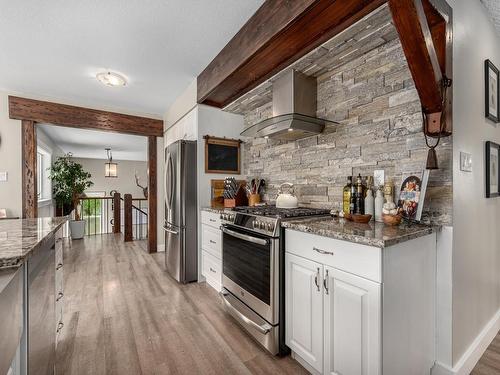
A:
[110,168]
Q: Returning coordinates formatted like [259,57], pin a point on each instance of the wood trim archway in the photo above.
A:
[31,112]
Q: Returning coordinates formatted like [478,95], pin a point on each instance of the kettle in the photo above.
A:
[286,197]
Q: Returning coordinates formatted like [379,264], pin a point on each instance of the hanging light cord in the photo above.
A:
[445,84]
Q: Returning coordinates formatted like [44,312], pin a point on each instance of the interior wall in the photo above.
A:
[10,160]
[476,234]
[124,183]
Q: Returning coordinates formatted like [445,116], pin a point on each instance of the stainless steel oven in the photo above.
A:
[250,280]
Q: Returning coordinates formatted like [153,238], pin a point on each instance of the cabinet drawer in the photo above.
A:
[211,240]
[212,270]
[210,218]
[362,260]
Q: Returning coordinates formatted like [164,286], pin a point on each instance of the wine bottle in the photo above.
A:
[360,199]
[352,205]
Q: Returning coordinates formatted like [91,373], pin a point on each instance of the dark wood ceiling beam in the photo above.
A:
[83,118]
[279,33]
[418,45]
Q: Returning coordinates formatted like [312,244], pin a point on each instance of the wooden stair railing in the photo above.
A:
[134,231]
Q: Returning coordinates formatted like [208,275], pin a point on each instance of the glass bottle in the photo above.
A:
[347,196]
[352,205]
[360,199]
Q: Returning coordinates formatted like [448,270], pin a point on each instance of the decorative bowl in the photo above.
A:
[392,220]
[361,218]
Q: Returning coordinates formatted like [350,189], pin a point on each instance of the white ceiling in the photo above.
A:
[54,48]
[493,7]
[91,143]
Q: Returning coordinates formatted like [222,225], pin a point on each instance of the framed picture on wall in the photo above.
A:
[492,88]
[492,170]
[222,155]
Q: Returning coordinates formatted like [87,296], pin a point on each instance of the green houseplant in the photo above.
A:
[69,182]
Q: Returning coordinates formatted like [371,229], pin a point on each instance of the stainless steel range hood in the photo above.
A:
[294,110]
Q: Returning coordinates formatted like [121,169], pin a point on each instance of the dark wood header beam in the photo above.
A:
[418,45]
[84,118]
[279,33]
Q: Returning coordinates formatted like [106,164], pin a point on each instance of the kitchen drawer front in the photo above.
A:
[212,270]
[210,218]
[211,240]
[361,260]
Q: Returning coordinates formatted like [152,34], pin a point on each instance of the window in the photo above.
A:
[44,185]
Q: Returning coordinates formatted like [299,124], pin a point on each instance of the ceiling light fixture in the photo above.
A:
[110,168]
[111,79]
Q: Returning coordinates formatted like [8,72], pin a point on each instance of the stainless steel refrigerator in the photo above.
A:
[181,211]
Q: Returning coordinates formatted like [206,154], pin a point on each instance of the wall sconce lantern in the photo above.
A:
[110,168]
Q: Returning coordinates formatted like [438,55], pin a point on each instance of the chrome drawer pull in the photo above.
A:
[325,282]
[212,220]
[212,270]
[59,296]
[323,251]
[211,241]
[59,327]
[59,266]
[316,279]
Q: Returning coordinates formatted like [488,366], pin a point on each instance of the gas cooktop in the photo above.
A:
[282,213]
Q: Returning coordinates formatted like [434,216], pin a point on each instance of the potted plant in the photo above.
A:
[69,181]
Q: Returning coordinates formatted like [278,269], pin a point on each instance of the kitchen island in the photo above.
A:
[30,293]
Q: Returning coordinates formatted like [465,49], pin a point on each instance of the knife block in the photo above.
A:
[240,199]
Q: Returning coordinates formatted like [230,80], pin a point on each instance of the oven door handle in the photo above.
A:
[245,237]
[264,329]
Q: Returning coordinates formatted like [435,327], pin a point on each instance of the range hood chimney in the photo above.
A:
[294,110]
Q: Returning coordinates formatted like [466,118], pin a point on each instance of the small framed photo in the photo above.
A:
[492,170]
[492,89]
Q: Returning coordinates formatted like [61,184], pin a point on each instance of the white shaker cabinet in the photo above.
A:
[371,310]
[211,253]
[304,312]
[351,324]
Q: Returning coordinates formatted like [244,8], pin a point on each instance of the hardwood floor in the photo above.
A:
[124,315]
[489,364]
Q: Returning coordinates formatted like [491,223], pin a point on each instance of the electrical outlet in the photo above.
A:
[3,177]
[379,177]
[465,162]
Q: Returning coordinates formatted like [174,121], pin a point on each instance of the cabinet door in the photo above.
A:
[352,322]
[304,309]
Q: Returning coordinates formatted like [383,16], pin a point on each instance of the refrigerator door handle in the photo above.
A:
[165,191]
[166,229]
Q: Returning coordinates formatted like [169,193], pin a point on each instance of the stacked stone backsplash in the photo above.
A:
[376,106]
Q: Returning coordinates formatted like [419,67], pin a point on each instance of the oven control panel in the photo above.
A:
[253,223]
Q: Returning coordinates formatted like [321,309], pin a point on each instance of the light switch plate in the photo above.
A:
[465,162]
[379,177]
[3,177]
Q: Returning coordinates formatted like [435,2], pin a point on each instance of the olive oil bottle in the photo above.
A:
[347,196]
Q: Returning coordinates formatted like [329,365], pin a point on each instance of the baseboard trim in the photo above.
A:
[473,354]
[160,248]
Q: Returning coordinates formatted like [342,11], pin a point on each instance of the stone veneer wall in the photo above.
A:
[374,100]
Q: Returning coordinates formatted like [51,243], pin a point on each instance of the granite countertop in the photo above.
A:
[215,210]
[372,234]
[19,237]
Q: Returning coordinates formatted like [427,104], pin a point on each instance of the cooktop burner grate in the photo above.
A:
[273,211]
